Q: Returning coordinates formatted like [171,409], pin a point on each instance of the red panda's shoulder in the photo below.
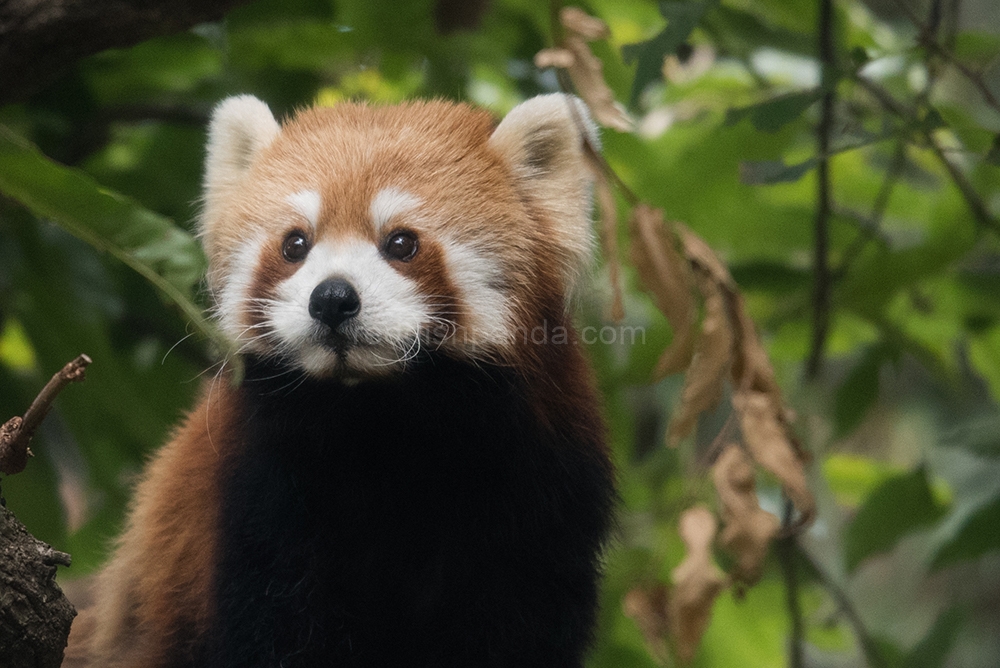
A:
[158,587]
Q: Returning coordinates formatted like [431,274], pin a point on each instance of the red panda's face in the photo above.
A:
[352,239]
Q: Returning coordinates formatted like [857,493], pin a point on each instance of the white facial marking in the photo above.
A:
[234,298]
[476,276]
[390,202]
[385,332]
[307,203]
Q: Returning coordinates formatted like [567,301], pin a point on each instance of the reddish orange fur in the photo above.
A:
[159,585]
[161,578]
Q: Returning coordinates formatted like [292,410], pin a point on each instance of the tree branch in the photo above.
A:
[39,39]
[822,282]
[972,199]
[786,548]
[35,616]
[16,433]
[874,223]
[928,40]
[870,649]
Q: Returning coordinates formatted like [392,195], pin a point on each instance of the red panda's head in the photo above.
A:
[347,240]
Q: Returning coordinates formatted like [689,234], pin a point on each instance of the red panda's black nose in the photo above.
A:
[333,301]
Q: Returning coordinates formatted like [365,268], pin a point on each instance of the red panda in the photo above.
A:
[405,476]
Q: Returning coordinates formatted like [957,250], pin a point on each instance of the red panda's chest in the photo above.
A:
[394,514]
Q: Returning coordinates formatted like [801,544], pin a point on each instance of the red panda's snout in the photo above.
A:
[334,302]
[351,241]
[348,311]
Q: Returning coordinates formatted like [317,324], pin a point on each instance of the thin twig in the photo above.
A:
[786,548]
[928,40]
[972,199]
[821,270]
[870,649]
[16,433]
[879,207]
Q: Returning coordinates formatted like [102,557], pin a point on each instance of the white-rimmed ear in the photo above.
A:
[241,127]
[542,139]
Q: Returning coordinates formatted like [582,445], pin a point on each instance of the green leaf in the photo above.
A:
[980,436]
[164,254]
[773,114]
[993,156]
[979,534]
[932,120]
[899,506]
[889,653]
[933,649]
[984,354]
[742,32]
[857,394]
[682,18]
[769,172]
[853,478]
[771,277]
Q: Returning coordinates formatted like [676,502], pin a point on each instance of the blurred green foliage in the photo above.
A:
[99,183]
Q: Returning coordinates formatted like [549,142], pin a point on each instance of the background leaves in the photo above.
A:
[901,426]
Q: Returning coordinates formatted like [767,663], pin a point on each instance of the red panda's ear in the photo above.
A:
[542,139]
[240,128]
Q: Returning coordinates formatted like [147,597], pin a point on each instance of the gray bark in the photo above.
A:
[35,616]
[40,39]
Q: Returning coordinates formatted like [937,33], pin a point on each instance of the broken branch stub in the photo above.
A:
[16,433]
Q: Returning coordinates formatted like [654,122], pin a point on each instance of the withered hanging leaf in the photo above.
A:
[752,368]
[697,581]
[699,253]
[748,529]
[584,68]
[703,382]
[583,24]
[649,609]
[766,437]
[554,57]
[667,277]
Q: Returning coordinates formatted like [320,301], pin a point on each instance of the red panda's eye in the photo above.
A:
[295,246]
[401,246]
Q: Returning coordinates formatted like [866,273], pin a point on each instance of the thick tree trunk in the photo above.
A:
[35,616]
[39,39]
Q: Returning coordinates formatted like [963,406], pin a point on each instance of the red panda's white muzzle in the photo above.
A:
[347,312]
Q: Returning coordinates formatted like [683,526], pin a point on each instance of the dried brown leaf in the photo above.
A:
[609,239]
[586,26]
[697,581]
[555,57]
[701,254]
[705,377]
[667,277]
[748,529]
[584,68]
[649,609]
[767,437]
